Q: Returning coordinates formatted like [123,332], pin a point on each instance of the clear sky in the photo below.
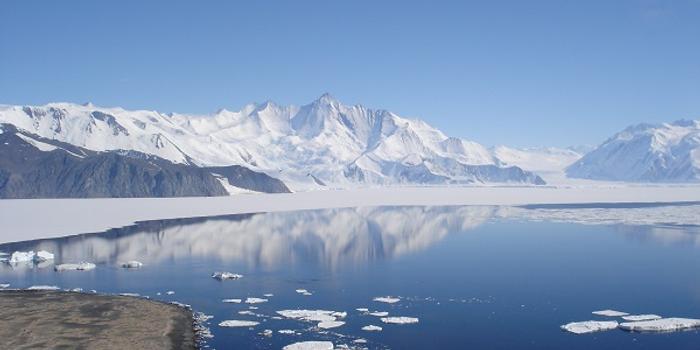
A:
[523,73]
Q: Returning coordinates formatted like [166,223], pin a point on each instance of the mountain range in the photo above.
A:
[266,147]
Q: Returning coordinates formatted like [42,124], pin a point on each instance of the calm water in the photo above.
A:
[476,277]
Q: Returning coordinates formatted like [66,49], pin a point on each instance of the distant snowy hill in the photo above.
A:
[547,162]
[668,152]
[322,144]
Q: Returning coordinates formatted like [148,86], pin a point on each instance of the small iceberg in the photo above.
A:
[303,292]
[330,324]
[234,301]
[226,276]
[170,292]
[388,300]
[238,323]
[362,309]
[379,314]
[21,257]
[286,331]
[310,345]
[610,313]
[42,256]
[266,333]
[372,328]
[255,300]
[360,341]
[589,326]
[670,324]
[4,285]
[43,287]
[81,266]
[644,317]
[133,264]
[309,315]
[267,295]
[400,320]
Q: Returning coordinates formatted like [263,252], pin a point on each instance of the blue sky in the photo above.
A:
[523,73]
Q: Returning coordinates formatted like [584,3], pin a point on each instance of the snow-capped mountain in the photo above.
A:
[668,152]
[547,162]
[324,143]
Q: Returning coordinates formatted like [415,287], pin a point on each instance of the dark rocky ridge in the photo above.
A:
[74,172]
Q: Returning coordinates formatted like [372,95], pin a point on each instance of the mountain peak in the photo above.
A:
[327,99]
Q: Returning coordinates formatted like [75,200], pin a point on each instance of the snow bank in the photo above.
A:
[610,313]
[310,345]
[225,276]
[400,320]
[661,325]
[589,326]
[645,317]
[238,323]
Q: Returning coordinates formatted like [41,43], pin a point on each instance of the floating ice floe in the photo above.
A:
[133,264]
[399,320]
[303,292]
[267,295]
[266,333]
[309,315]
[362,309]
[81,266]
[286,331]
[255,300]
[252,307]
[360,341]
[226,276]
[43,287]
[388,300]
[610,313]
[670,324]
[589,326]
[372,328]
[645,317]
[310,345]
[330,324]
[238,323]
[42,256]
[21,257]
[4,285]
[76,290]
[379,313]
[170,292]
[234,301]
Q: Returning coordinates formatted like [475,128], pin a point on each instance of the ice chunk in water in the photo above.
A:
[81,266]
[238,323]
[42,256]
[379,313]
[362,309]
[388,300]
[255,300]
[235,301]
[286,331]
[309,315]
[399,320]
[43,287]
[644,317]
[610,313]
[303,292]
[330,324]
[226,276]
[310,345]
[4,285]
[589,326]
[372,328]
[661,325]
[133,264]
[21,257]
[130,294]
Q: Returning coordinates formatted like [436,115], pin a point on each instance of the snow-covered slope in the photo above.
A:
[668,152]
[324,143]
[548,162]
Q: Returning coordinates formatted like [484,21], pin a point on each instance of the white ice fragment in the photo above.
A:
[267,295]
[252,307]
[330,324]
[170,292]
[388,300]
[362,309]
[339,314]
[246,312]
[308,315]
[157,293]
[310,345]
[255,300]
[133,264]
[42,256]
[4,285]
[661,325]
[399,320]
[266,333]
[238,323]
[286,331]
[610,313]
[77,290]
[360,341]
[303,292]
[379,313]
[21,257]
[81,266]
[226,276]
[589,326]
[235,301]
[372,328]
[43,287]
[130,294]
[644,317]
